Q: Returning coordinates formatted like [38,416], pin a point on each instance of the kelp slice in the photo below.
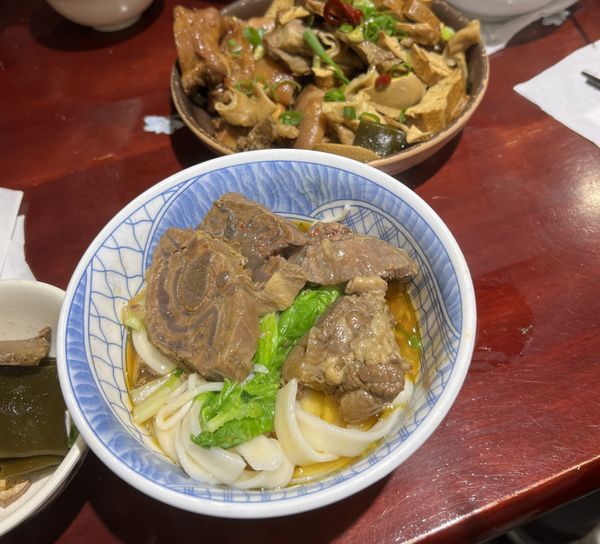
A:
[22,466]
[32,412]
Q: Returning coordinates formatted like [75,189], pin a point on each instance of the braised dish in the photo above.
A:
[387,82]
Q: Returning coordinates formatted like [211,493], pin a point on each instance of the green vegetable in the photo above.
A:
[382,139]
[241,411]
[313,42]
[400,69]
[335,95]
[402,116]
[73,435]
[235,49]
[253,37]
[369,117]
[246,87]
[150,406]
[447,32]
[290,117]
[133,314]
[349,112]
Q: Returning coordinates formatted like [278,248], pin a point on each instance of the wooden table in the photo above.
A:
[520,192]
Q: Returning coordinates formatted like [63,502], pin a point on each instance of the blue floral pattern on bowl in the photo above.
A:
[92,340]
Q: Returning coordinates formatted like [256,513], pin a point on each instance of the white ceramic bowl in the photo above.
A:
[103,15]
[491,10]
[27,307]
[299,184]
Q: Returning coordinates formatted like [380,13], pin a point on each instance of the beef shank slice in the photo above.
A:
[257,232]
[352,354]
[335,255]
[200,305]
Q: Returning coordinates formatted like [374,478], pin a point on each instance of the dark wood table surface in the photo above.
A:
[520,192]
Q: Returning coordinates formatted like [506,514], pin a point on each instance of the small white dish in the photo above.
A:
[27,307]
[102,15]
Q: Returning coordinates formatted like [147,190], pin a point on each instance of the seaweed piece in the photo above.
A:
[32,412]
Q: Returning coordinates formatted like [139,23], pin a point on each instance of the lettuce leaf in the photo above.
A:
[241,411]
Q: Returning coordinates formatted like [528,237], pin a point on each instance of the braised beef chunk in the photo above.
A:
[277,282]
[334,255]
[351,353]
[253,229]
[27,352]
[200,305]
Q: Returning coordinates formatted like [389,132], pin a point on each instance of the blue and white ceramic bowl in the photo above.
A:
[298,184]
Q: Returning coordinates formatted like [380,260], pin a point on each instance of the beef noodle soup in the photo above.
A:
[262,354]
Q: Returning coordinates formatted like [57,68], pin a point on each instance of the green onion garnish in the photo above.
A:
[349,112]
[253,36]
[402,116]
[235,49]
[334,95]
[313,42]
[290,117]
[447,32]
[370,117]
[245,86]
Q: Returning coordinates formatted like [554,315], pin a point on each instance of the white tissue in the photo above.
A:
[562,92]
[162,125]
[12,237]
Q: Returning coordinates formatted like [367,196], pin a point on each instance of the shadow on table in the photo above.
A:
[132,517]
[53,520]
[419,174]
[51,30]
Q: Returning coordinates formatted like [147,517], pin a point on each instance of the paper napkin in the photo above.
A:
[12,237]
[562,92]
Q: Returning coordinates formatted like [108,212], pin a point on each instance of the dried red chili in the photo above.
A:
[337,12]
[382,82]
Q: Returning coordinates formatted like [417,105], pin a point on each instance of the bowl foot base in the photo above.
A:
[120,26]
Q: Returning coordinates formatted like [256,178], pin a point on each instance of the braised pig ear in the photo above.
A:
[239,109]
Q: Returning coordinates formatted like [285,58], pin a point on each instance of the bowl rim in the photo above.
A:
[407,155]
[59,477]
[351,486]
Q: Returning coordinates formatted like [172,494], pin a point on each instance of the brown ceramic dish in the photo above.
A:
[199,121]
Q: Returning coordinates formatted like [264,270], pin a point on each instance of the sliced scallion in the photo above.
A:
[290,117]
[370,117]
[349,112]
[313,42]
[447,32]
[334,95]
